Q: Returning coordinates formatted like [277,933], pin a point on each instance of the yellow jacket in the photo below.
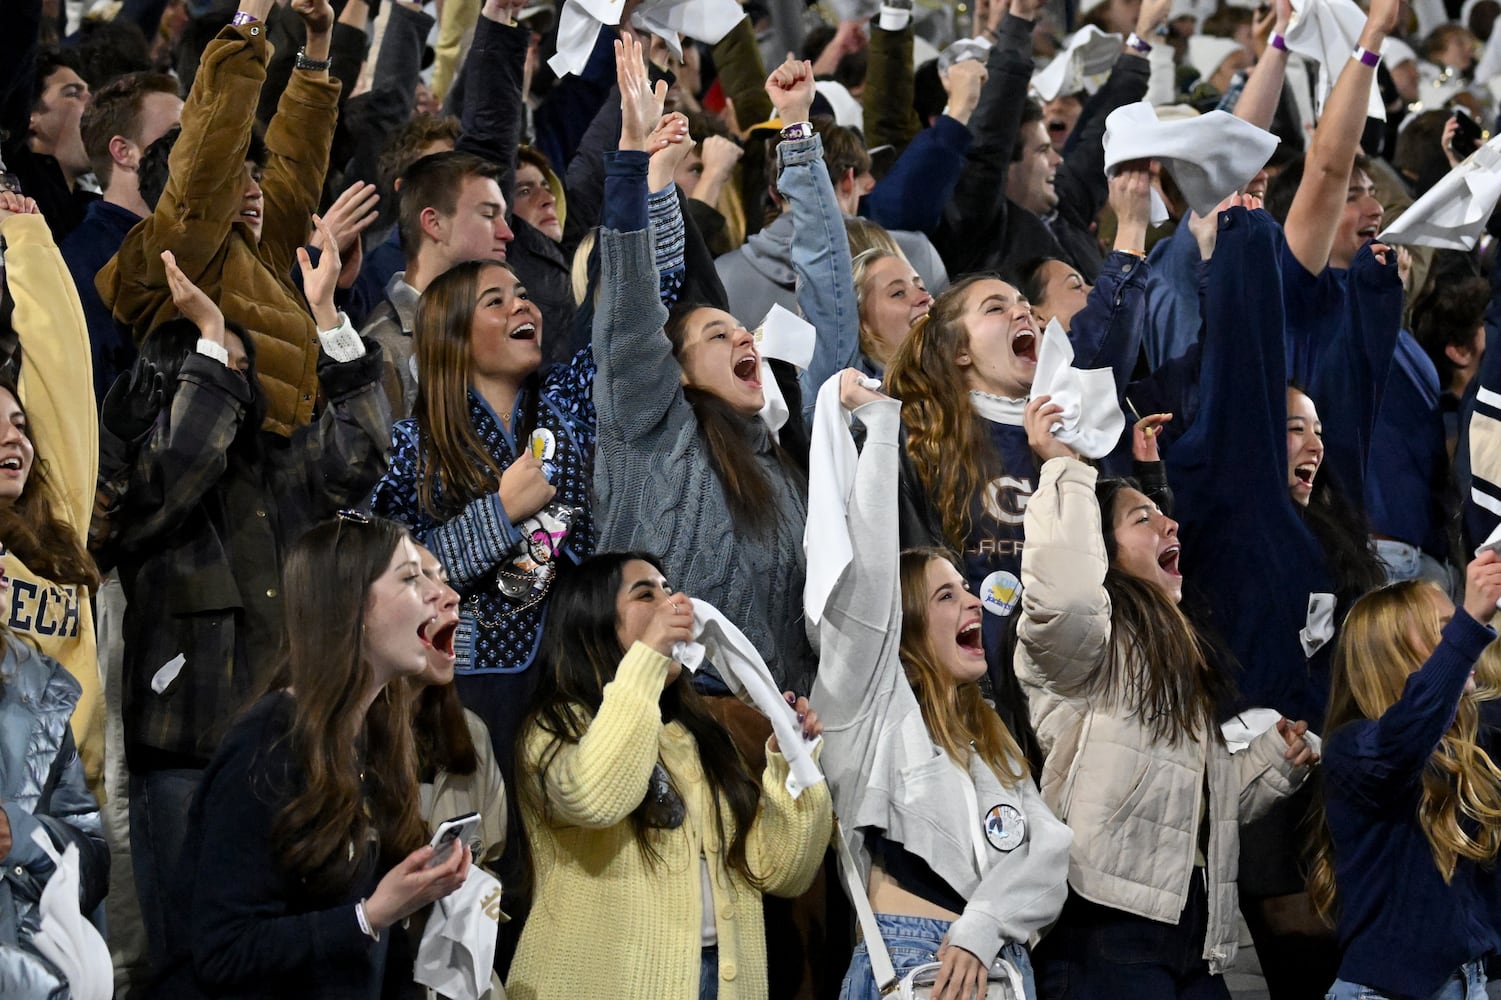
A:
[606,922]
[57,390]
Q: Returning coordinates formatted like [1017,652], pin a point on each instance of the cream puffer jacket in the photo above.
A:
[1133,801]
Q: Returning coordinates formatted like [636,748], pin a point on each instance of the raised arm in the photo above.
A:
[861,625]
[889,117]
[1263,90]
[1065,624]
[1315,212]
[57,374]
[492,89]
[1386,757]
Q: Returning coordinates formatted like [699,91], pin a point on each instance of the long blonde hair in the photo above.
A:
[946,440]
[957,717]
[1388,635]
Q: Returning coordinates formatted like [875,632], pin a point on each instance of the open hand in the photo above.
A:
[190,300]
[961,975]
[640,103]
[318,283]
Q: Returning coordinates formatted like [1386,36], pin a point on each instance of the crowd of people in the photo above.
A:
[425,427]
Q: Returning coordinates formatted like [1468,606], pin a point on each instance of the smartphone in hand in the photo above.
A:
[449,834]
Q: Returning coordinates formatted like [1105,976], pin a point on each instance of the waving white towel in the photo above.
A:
[580,21]
[1326,32]
[832,458]
[1091,422]
[1087,57]
[782,336]
[741,667]
[1451,215]
[1210,156]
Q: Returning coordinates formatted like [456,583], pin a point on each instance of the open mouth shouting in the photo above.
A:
[1302,482]
[439,637]
[1024,344]
[524,331]
[747,369]
[1168,560]
[969,639]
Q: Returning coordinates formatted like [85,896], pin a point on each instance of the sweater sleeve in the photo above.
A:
[1065,624]
[786,844]
[1370,762]
[637,384]
[600,780]
[57,378]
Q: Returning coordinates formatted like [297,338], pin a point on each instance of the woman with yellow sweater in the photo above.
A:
[651,840]
[49,457]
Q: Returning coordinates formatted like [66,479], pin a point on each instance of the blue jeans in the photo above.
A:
[1468,983]
[914,941]
[708,974]
[159,803]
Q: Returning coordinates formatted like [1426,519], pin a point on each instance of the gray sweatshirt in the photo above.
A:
[655,489]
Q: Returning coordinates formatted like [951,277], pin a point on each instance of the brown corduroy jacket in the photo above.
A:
[197,218]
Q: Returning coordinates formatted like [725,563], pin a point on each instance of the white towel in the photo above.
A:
[1325,32]
[458,944]
[64,936]
[716,638]
[1318,627]
[580,20]
[1207,52]
[1210,157]
[1087,57]
[832,459]
[1091,422]
[1451,215]
[784,336]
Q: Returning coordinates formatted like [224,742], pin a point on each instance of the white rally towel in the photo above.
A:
[458,945]
[1325,32]
[1452,214]
[1087,57]
[1210,156]
[580,20]
[64,936]
[784,336]
[717,639]
[1092,421]
[832,459]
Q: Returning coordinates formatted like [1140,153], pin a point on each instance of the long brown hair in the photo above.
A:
[1387,636]
[454,467]
[440,731]
[337,805]
[748,490]
[956,715]
[32,528]
[1158,665]
[946,440]
[582,651]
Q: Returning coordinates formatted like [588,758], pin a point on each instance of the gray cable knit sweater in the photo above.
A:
[655,489]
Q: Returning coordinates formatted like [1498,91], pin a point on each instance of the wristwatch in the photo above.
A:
[313,65]
[798,130]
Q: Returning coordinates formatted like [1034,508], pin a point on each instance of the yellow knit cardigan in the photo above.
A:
[607,923]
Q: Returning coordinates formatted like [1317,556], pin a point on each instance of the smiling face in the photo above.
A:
[1001,357]
[535,203]
[643,590]
[437,633]
[892,299]
[1029,181]
[1064,292]
[400,605]
[251,202]
[719,356]
[953,623]
[1359,221]
[1305,445]
[505,335]
[1146,543]
[16,451]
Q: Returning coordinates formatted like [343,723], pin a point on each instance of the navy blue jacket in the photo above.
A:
[87,249]
[1409,462]
[1403,931]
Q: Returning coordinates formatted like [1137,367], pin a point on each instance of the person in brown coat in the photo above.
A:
[235,233]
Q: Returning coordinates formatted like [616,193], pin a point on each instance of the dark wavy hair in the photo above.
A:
[1159,664]
[337,803]
[168,346]
[581,651]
